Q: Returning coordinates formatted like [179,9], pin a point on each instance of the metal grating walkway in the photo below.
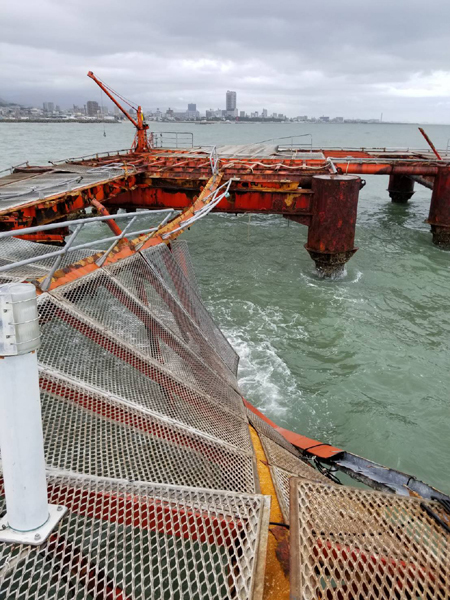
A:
[355,544]
[133,541]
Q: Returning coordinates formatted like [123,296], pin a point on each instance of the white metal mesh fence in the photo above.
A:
[79,348]
[90,432]
[161,260]
[141,281]
[180,253]
[104,300]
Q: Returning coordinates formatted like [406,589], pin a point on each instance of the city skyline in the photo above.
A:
[92,109]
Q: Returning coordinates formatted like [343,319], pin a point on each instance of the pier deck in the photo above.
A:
[317,187]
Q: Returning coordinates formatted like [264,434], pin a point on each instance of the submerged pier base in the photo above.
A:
[401,188]
[331,231]
[439,216]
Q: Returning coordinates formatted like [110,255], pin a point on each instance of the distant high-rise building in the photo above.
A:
[230,101]
[192,107]
[242,113]
[92,108]
[264,113]
[48,107]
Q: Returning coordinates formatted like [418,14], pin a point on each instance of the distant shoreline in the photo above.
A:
[46,121]
[249,122]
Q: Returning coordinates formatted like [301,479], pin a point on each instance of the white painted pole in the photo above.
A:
[21,439]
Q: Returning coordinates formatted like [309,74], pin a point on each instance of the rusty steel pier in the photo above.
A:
[316,187]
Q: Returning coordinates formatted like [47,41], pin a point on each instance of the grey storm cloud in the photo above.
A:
[348,58]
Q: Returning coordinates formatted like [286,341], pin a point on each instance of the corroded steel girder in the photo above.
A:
[269,200]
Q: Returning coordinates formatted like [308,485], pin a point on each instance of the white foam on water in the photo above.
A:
[357,277]
[264,377]
[316,277]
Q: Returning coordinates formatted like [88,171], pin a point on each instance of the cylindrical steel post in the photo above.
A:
[401,188]
[439,216]
[21,439]
[331,233]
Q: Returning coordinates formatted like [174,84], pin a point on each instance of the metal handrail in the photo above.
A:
[159,139]
[86,156]
[11,169]
[69,247]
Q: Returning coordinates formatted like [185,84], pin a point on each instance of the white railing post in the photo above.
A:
[29,518]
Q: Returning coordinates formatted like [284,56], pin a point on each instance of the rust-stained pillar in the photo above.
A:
[439,217]
[331,233]
[401,188]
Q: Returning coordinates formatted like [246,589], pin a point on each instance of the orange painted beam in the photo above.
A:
[275,201]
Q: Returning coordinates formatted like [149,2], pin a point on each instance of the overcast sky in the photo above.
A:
[340,58]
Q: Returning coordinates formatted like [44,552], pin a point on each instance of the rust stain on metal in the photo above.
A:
[281,534]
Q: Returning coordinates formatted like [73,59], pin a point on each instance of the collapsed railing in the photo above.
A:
[210,202]
[204,210]
[79,224]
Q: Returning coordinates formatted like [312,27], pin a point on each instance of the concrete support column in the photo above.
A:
[439,216]
[401,188]
[331,232]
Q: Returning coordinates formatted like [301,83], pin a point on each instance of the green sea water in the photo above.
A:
[361,362]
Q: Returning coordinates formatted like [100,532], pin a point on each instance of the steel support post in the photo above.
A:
[29,519]
[439,216]
[331,233]
[401,188]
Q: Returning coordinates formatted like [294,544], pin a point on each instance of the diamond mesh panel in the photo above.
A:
[161,260]
[77,347]
[264,428]
[284,465]
[352,543]
[139,541]
[281,480]
[136,275]
[279,457]
[95,434]
[180,252]
[103,299]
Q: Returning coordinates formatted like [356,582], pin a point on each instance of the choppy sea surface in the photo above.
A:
[361,362]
